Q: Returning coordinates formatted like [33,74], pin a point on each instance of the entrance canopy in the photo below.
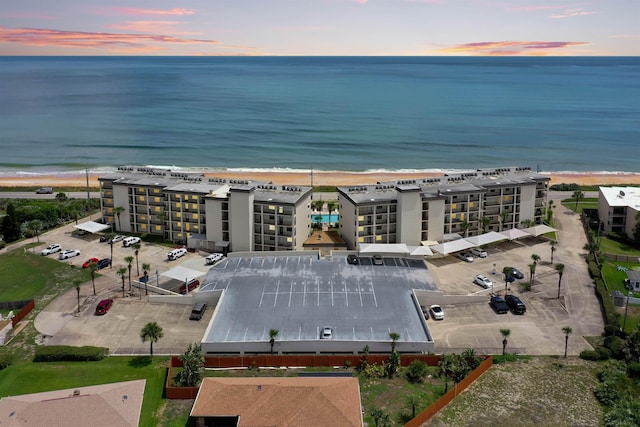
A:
[182,273]
[453,246]
[486,238]
[539,229]
[92,227]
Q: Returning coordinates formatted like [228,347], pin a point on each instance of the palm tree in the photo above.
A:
[117,211]
[553,244]
[591,247]
[35,226]
[331,206]
[485,221]
[526,223]
[505,334]
[532,272]
[122,271]
[317,205]
[145,268]
[567,330]
[503,218]
[560,269]
[465,226]
[137,248]
[77,283]
[535,258]
[273,333]
[393,336]
[151,332]
[93,268]
[577,195]
[129,261]
[508,272]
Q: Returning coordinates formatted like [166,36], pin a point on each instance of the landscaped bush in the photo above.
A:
[564,187]
[611,330]
[615,345]
[63,353]
[590,355]
[633,370]
[5,361]
[416,372]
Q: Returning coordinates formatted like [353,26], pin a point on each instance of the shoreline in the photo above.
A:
[320,178]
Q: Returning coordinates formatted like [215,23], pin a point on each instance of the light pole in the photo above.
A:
[157,278]
[626,308]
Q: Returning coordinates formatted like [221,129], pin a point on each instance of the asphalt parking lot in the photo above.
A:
[473,325]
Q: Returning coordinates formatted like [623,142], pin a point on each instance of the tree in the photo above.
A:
[109,237]
[560,269]
[578,195]
[636,229]
[508,277]
[484,222]
[532,272]
[505,334]
[118,211]
[412,401]
[526,223]
[122,271]
[35,226]
[391,367]
[631,348]
[393,336]
[331,206]
[380,418]
[151,332]
[77,283]
[93,268]
[145,268]
[504,215]
[416,372]
[535,258]
[553,244]
[317,205]
[137,249]
[273,333]
[10,228]
[61,197]
[192,362]
[129,261]
[567,330]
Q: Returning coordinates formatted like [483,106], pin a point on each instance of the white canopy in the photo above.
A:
[453,246]
[387,248]
[183,273]
[539,229]
[92,226]
[514,233]
[420,250]
[486,238]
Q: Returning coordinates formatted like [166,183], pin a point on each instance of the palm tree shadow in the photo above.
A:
[140,361]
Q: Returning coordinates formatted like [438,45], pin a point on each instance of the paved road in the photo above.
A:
[32,195]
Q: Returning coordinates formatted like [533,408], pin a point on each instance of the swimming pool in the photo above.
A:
[324,218]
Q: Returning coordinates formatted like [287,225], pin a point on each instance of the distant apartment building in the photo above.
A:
[618,208]
[207,213]
[430,209]
[239,215]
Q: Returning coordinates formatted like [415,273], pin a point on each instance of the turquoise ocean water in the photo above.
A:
[330,113]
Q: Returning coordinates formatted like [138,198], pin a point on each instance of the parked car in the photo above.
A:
[437,313]
[176,253]
[516,273]
[377,260]
[515,304]
[425,311]
[69,253]
[193,283]
[44,190]
[213,258]
[51,249]
[499,305]
[130,241]
[89,261]
[483,281]
[117,238]
[352,259]
[464,256]
[327,333]
[198,311]
[479,252]
[103,306]
[104,263]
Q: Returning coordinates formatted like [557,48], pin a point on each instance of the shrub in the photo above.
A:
[603,353]
[615,345]
[63,353]
[633,370]
[611,330]
[589,355]
[5,361]
[2,244]
[416,372]
[564,187]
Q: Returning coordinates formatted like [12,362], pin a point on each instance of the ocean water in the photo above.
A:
[327,113]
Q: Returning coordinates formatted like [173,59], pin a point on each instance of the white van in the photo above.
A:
[176,253]
[130,241]
[213,258]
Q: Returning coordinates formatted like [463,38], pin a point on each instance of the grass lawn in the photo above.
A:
[29,377]
[586,203]
[618,247]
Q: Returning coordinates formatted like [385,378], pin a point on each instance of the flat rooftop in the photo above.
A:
[299,295]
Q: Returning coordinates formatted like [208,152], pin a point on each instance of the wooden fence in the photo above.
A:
[23,312]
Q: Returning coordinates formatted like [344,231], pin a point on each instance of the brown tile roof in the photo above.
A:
[282,402]
[106,405]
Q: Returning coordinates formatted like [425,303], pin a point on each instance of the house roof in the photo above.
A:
[276,401]
[106,405]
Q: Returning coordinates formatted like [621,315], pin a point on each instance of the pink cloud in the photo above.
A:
[537,7]
[167,27]
[510,48]
[570,13]
[164,12]
[76,39]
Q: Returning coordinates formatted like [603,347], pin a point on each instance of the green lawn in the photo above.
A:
[29,377]
[615,281]
[618,247]
[586,203]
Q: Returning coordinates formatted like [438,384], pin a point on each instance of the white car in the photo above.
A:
[483,281]
[464,256]
[327,333]
[69,253]
[176,253]
[130,241]
[118,238]
[213,258]
[51,249]
[436,312]
[479,252]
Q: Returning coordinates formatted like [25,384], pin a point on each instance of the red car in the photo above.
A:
[193,283]
[103,306]
[89,261]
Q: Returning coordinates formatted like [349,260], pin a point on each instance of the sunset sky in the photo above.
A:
[320,27]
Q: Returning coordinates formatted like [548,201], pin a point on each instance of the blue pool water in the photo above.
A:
[326,218]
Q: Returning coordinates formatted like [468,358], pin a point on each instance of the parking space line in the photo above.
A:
[346,293]
[331,281]
[262,296]
[373,291]
[226,337]
[275,300]
[304,293]
[290,293]
[360,291]
[318,290]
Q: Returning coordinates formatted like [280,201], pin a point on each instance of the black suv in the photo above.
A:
[499,305]
[352,259]
[514,303]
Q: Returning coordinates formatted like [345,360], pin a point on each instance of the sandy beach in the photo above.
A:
[319,178]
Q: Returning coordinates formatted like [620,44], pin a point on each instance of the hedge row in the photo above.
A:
[63,353]
[612,317]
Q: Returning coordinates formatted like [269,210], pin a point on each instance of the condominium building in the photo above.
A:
[207,213]
[618,209]
[431,209]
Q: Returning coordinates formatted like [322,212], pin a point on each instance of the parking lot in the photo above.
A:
[473,325]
